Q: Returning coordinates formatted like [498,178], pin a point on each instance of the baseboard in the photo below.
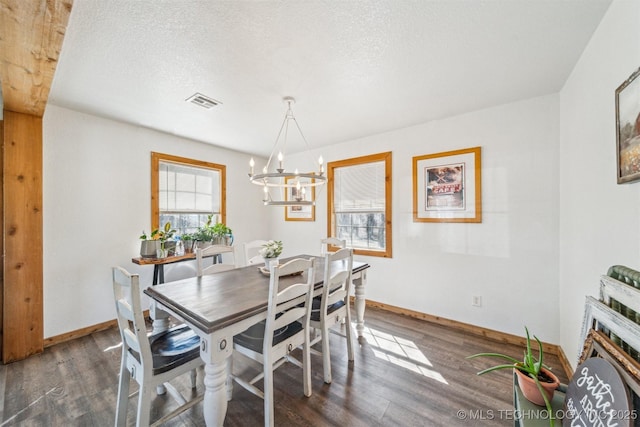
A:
[79,333]
[489,334]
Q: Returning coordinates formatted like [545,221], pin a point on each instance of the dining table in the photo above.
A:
[220,305]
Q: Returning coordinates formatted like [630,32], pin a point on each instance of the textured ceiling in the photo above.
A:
[356,68]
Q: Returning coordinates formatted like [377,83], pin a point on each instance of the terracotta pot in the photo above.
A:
[530,389]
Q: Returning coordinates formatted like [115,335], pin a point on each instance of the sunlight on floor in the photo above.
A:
[401,352]
[113,347]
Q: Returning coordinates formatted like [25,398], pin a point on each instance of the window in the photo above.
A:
[359,203]
[185,192]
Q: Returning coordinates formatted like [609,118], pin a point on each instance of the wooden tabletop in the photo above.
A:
[214,301]
[167,260]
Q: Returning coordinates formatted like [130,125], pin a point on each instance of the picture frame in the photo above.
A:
[299,212]
[600,316]
[447,186]
[628,129]
[597,344]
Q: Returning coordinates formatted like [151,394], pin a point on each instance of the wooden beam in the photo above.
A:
[22,222]
[31,35]
[1,228]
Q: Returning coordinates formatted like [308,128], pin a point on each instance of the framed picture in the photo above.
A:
[628,129]
[447,187]
[300,212]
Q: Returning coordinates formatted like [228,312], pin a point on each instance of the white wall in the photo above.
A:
[97,200]
[599,219]
[438,268]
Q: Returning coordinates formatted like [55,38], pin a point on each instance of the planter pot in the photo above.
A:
[530,389]
[162,253]
[269,262]
[149,248]
[201,245]
[224,240]
[170,246]
[188,246]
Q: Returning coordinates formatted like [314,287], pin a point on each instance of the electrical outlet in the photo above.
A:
[477,301]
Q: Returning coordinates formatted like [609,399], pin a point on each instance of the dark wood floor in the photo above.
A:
[407,372]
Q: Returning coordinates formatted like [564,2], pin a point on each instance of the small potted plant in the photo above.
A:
[222,235]
[149,245]
[187,241]
[164,234]
[270,252]
[535,379]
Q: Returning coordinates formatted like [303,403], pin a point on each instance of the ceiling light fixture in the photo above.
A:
[294,185]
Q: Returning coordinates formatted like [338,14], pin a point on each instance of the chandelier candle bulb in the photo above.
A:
[280,162]
[321,163]
[252,163]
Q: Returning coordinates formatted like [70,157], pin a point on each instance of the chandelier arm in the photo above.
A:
[306,143]
[275,144]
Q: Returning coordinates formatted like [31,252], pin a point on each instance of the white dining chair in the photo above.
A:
[332,306]
[251,252]
[152,360]
[217,252]
[286,327]
[329,242]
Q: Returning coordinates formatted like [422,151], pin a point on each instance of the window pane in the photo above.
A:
[360,187]
[188,194]
[204,203]
[185,182]
[184,201]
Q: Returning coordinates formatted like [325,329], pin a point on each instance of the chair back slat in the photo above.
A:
[329,243]
[251,249]
[214,251]
[131,340]
[289,316]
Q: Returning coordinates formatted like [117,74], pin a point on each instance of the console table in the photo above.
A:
[159,263]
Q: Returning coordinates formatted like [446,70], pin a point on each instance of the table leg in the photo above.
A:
[156,269]
[359,283]
[160,318]
[215,394]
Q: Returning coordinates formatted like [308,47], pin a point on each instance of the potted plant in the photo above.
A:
[217,233]
[188,240]
[222,235]
[164,234]
[149,245]
[535,379]
[270,252]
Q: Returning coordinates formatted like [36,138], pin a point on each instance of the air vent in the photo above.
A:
[203,101]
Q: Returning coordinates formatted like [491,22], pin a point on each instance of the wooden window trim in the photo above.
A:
[156,158]
[331,166]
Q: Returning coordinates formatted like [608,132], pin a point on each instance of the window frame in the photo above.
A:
[156,158]
[372,158]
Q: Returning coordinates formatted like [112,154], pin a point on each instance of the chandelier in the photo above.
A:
[294,185]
